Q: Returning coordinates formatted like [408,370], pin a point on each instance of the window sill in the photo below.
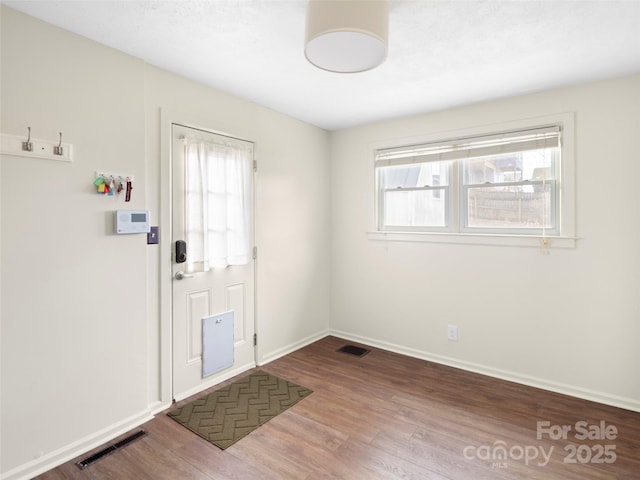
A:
[534,241]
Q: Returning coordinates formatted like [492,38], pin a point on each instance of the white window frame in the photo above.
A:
[456,232]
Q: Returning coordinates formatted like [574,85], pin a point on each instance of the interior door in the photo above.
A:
[197,295]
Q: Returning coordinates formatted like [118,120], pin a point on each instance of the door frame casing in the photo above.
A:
[168,117]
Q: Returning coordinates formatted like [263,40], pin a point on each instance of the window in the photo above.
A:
[218,200]
[493,184]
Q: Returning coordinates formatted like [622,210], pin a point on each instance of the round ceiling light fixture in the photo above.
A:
[347,36]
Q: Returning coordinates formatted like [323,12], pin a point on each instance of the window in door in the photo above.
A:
[218,201]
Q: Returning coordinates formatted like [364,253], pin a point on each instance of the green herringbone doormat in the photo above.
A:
[225,416]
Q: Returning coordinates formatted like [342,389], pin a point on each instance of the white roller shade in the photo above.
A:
[470,147]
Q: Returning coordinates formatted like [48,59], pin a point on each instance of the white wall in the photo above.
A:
[74,352]
[84,340]
[84,337]
[566,321]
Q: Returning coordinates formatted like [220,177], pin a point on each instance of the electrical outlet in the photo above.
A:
[452,333]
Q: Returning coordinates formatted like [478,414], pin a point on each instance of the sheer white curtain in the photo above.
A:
[218,202]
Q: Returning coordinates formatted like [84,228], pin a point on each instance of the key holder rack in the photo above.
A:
[114,184]
[26,146]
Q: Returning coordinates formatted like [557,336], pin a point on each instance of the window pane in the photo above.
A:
[510,167]
[519,206]
[418,175]
[415,208]
[498,184]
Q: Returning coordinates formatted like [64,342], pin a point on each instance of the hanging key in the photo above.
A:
[127,196]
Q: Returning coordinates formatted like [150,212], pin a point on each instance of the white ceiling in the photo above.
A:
[441,53]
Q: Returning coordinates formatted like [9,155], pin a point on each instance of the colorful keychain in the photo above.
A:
[99,184]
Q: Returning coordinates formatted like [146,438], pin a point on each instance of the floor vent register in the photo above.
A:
[353,350]
[82,464]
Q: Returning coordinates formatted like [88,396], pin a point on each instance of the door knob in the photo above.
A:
[181,275]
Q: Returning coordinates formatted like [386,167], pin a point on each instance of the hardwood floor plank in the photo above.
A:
[161,463]
[67,471]
[388,416]
[319,434]
[339,415]
[385,464]
[263,451]
[319,458]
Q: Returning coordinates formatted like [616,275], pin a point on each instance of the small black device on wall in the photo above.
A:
[181,251]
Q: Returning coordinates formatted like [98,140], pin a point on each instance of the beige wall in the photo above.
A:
[568,321]
[85,340]
[85,331]
[74,350]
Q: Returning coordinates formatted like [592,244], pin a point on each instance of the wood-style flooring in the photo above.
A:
[388,416]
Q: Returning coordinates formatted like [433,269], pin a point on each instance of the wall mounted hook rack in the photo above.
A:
[36,148]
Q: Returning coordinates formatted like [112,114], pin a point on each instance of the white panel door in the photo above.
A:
[201,294]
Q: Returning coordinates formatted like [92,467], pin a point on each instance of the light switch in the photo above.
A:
[153,236]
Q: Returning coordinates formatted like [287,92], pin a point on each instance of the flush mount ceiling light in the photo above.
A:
[347,36]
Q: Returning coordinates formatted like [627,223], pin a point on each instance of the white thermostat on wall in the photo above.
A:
[132,221]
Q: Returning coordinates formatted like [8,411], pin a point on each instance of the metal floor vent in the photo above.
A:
[353,350]
[82,464]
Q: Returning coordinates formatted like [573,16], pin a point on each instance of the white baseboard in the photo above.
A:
[563,388]
[281,352]
[157,407]
[214,380]
[75,449]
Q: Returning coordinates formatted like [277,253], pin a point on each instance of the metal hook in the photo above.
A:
[28,146]
[59,150]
